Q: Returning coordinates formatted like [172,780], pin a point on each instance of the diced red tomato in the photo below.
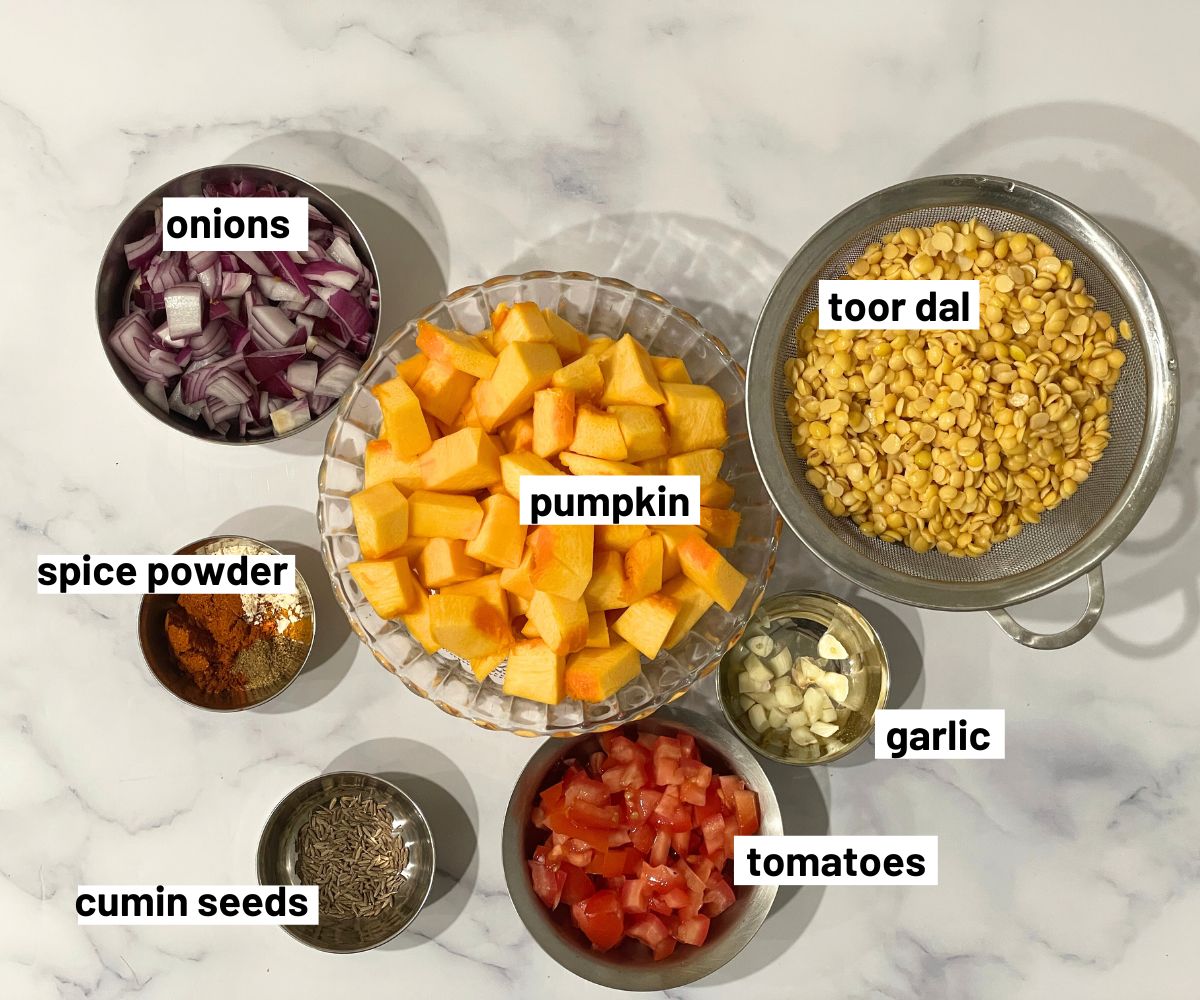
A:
[649,929]
[746,805]
[577,885]
[664,949]
[718,896]
[635,895]
[601,919]
[661,850]
[639,840]
[548,883]
[693,931]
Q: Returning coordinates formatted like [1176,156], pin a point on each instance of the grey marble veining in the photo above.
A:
[689,148]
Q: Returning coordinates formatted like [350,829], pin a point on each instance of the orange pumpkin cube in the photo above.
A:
[645,623]
[595,675]
[381,519]
[629,376]
[553,421]
[710,571]
[382,463]
[455,348]
[388,584]
[583,377]
[403,422]
[501,537]
[536,672]
[561,623]
[462,462]
[444,515]
[445,561]
[444,391]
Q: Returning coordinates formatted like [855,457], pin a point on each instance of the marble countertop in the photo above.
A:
[689,148]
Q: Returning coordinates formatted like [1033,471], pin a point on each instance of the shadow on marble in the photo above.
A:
[444,795]
[1147,178]
[294,532]
[392,208]
[803,801]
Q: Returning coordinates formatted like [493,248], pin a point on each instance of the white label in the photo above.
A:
[898,305]
[235,223]
[939,733]
[222,574]
[610,499]
[197,904]
[835,861]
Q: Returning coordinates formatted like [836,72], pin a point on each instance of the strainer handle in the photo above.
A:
[1057,640]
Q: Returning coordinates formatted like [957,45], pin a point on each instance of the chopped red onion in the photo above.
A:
[234,338]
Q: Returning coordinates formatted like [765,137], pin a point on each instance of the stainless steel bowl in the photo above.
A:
[867,670]
[152,636]
[277,859]
[114,276]
[629,966]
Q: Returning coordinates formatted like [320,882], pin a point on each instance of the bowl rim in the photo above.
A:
[190,549]
[271,174]
[577,959]
[342,411]
[885,685]
[392,788]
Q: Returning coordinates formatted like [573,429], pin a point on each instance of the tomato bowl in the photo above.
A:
[630,964]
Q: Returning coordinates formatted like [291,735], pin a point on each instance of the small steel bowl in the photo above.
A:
[277,859]
[152,635]
[630,966]
[869,677]
[114,276]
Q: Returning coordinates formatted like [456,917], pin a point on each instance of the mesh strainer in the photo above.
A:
[1070,540]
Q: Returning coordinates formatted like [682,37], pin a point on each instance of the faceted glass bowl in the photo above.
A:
[598,306]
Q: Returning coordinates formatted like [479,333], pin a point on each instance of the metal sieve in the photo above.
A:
[1069,541]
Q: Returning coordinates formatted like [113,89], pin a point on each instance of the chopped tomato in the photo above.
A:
[547,883]
[746,805]
[649,929]
[577,885]
[639,840]
[600,918]
[693,931]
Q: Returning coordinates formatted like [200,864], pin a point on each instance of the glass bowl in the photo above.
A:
[598,306]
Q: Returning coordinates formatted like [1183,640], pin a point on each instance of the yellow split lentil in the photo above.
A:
[955,439]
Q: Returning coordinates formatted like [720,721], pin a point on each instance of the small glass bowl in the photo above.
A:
[598,306]
[812,613]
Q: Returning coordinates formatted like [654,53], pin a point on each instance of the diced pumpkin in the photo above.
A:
[536,672]
[643,430]
[388,584]
[606,589]
[695,417]
[501,537]
[692,601]
[468,626]
[672,535]
[381,518]
[403,422]
[586,465]
[444,391]
[488,587]
[582,377]
[561,623]
[598,345]
[522,463]
[461,462]
[568,341]
[598,637]
[445,561]
[629,376]
[483,666]
[619,536]
[497,317]
[444,515]
[718,493]
[410,368]
[709,570]
[522,322]
[646,622]
[517,581]
[654,466]
[669,369]
[455,348]
[705,463]
[720,526]
[417,623]
[517,434]
[553,421]
[521,369]
[382,463]
[598,434]
[595,675]
[562,558]
[644,568]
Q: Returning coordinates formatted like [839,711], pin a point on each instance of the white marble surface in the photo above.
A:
[689,148]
